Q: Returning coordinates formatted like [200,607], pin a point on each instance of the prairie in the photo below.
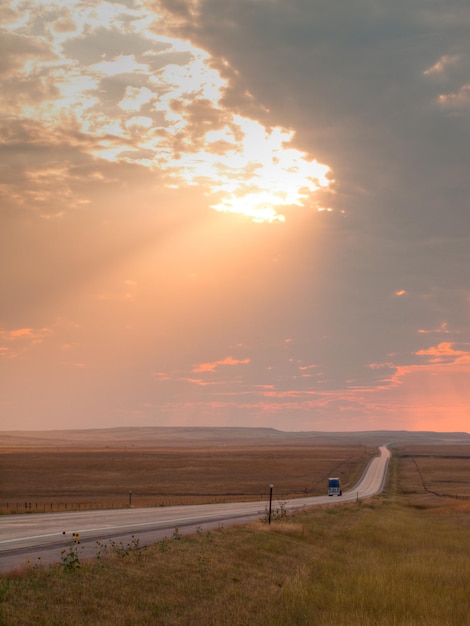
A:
[443,470]
[399,558]
[57,470]
[93,478]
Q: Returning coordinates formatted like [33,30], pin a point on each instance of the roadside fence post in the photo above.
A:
[270,501]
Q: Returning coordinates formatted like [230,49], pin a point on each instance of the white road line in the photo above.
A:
[153,523]
[366,487]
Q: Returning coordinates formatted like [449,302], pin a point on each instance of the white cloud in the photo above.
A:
[457,100]
[442,64]
[135,98]
[253,169]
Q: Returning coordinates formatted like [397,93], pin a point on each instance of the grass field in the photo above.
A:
[50,479]
[401,558]
[442,470]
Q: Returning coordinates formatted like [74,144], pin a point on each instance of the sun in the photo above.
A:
[159,106]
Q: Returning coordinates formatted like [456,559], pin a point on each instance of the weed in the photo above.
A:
[119,549]
[33,565]
[70,555]
[401,559]
[176,534]
[163,544]
[101,550]
[279,513]
[381,565]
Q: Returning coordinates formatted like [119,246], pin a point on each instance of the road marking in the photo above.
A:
[28,538]
[153,523]
[223,511]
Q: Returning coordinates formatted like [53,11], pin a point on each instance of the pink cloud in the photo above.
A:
[441,330]
[444,352]
[211,367]
[307,367]
[17,333]
[21,332]
[201,382]
[21,339]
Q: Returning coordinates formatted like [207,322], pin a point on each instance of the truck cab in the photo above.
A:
[334,487]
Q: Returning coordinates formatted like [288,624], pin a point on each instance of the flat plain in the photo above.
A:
[402,557]
[439,469]
[40,477]
[58,470]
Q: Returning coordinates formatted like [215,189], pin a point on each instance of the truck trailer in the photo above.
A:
[334,487]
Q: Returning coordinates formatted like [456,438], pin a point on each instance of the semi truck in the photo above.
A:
[334,487]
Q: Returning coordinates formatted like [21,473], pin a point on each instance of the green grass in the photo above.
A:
[393,560]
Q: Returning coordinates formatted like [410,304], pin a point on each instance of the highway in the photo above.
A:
[39,538]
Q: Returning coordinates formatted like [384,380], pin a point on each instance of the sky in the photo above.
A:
[251,213]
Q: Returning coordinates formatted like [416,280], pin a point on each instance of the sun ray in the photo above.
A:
[159,107]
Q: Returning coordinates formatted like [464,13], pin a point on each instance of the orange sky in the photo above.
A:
[244,214]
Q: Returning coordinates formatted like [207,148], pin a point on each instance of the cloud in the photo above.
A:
[442,64]
[84,86]
[164,187]
[442,329]
[17,341]
[19,49]
[211,367]
[445,353]
[352,83]
[458,100]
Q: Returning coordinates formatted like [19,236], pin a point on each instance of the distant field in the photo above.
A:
[56,470]
[162,437]
[54,478]
[442,470]
[402,557]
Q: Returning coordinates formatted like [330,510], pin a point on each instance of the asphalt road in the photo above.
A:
[39,539]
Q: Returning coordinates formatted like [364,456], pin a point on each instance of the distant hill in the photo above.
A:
[153,437]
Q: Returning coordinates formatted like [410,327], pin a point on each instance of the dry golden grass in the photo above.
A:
[396,559]
[379,564]
[439,469]
[48,478]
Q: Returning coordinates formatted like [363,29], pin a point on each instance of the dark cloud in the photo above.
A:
[350,80]
[106,43]
[127,280]
[16,48]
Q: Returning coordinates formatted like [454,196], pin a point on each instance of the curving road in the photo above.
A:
[40,538]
